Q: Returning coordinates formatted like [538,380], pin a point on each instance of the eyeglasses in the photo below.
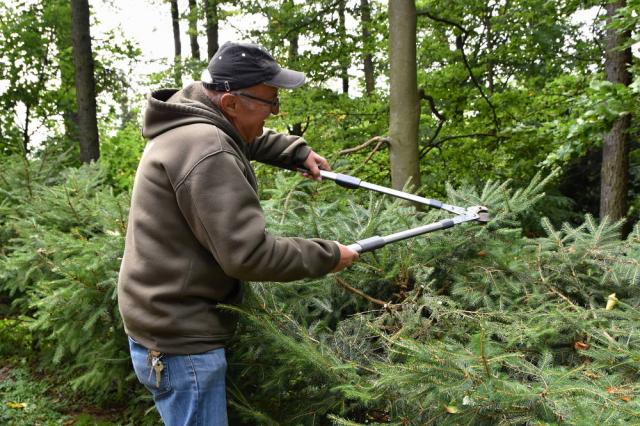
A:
[275,103]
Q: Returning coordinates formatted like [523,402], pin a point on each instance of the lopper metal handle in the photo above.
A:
[377,242]
[475,213]
[352,182]
[368,244]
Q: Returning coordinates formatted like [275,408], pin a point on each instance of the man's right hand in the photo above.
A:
[347,257]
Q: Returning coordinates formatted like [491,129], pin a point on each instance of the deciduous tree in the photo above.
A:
[404,103]
[368,69]
[615,150]
[177,45]
[193,29]
[85,81]
[211,13]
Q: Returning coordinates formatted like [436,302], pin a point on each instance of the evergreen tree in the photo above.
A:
[474,325]
[61,255]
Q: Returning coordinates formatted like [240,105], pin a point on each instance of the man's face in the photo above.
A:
[254,106]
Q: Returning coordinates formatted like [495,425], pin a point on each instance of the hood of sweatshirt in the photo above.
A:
[171,108]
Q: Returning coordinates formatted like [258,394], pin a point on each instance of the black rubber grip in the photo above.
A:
[371,244]
[447,224]
[347,181]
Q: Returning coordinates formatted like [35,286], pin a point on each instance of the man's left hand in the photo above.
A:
[314,163]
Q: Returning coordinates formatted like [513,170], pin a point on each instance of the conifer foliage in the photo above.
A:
[61,253]
[472,325]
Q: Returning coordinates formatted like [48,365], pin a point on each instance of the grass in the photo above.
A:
[26,401]
[30,398]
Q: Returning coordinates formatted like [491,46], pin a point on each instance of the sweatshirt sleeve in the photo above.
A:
[224,213]
[277,148]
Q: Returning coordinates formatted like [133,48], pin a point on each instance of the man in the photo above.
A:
[196,228]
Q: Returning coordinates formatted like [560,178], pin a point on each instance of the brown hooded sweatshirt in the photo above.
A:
[196,228]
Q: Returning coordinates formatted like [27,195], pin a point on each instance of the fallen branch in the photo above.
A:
[360,293]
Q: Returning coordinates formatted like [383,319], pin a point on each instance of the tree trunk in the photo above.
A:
[490,46]
[369,76]
[26,137]
[344,59]
[193,30]
[292,58]
[615,151]
[295,128]
[212,27]
[64,55]
[404,102]
[85,81]
[177,46]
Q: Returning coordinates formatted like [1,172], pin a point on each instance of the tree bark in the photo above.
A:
[295,128]
[193,29]
[177,46]
[614,178]
[212,27]
[369,76]
[344,59]
[64,55]
[404,101]
[85,81]
[292,57]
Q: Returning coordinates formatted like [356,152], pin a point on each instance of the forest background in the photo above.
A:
[521,106]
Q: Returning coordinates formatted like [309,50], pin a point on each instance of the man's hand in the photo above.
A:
[347,257]
[314,163]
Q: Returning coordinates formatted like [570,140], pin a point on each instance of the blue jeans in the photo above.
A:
[192,387]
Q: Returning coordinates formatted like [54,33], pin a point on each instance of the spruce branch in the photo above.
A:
[73,210]
[287,200]
[122,221]
[545,282]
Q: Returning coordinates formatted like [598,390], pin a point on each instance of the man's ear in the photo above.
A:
[229,104]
